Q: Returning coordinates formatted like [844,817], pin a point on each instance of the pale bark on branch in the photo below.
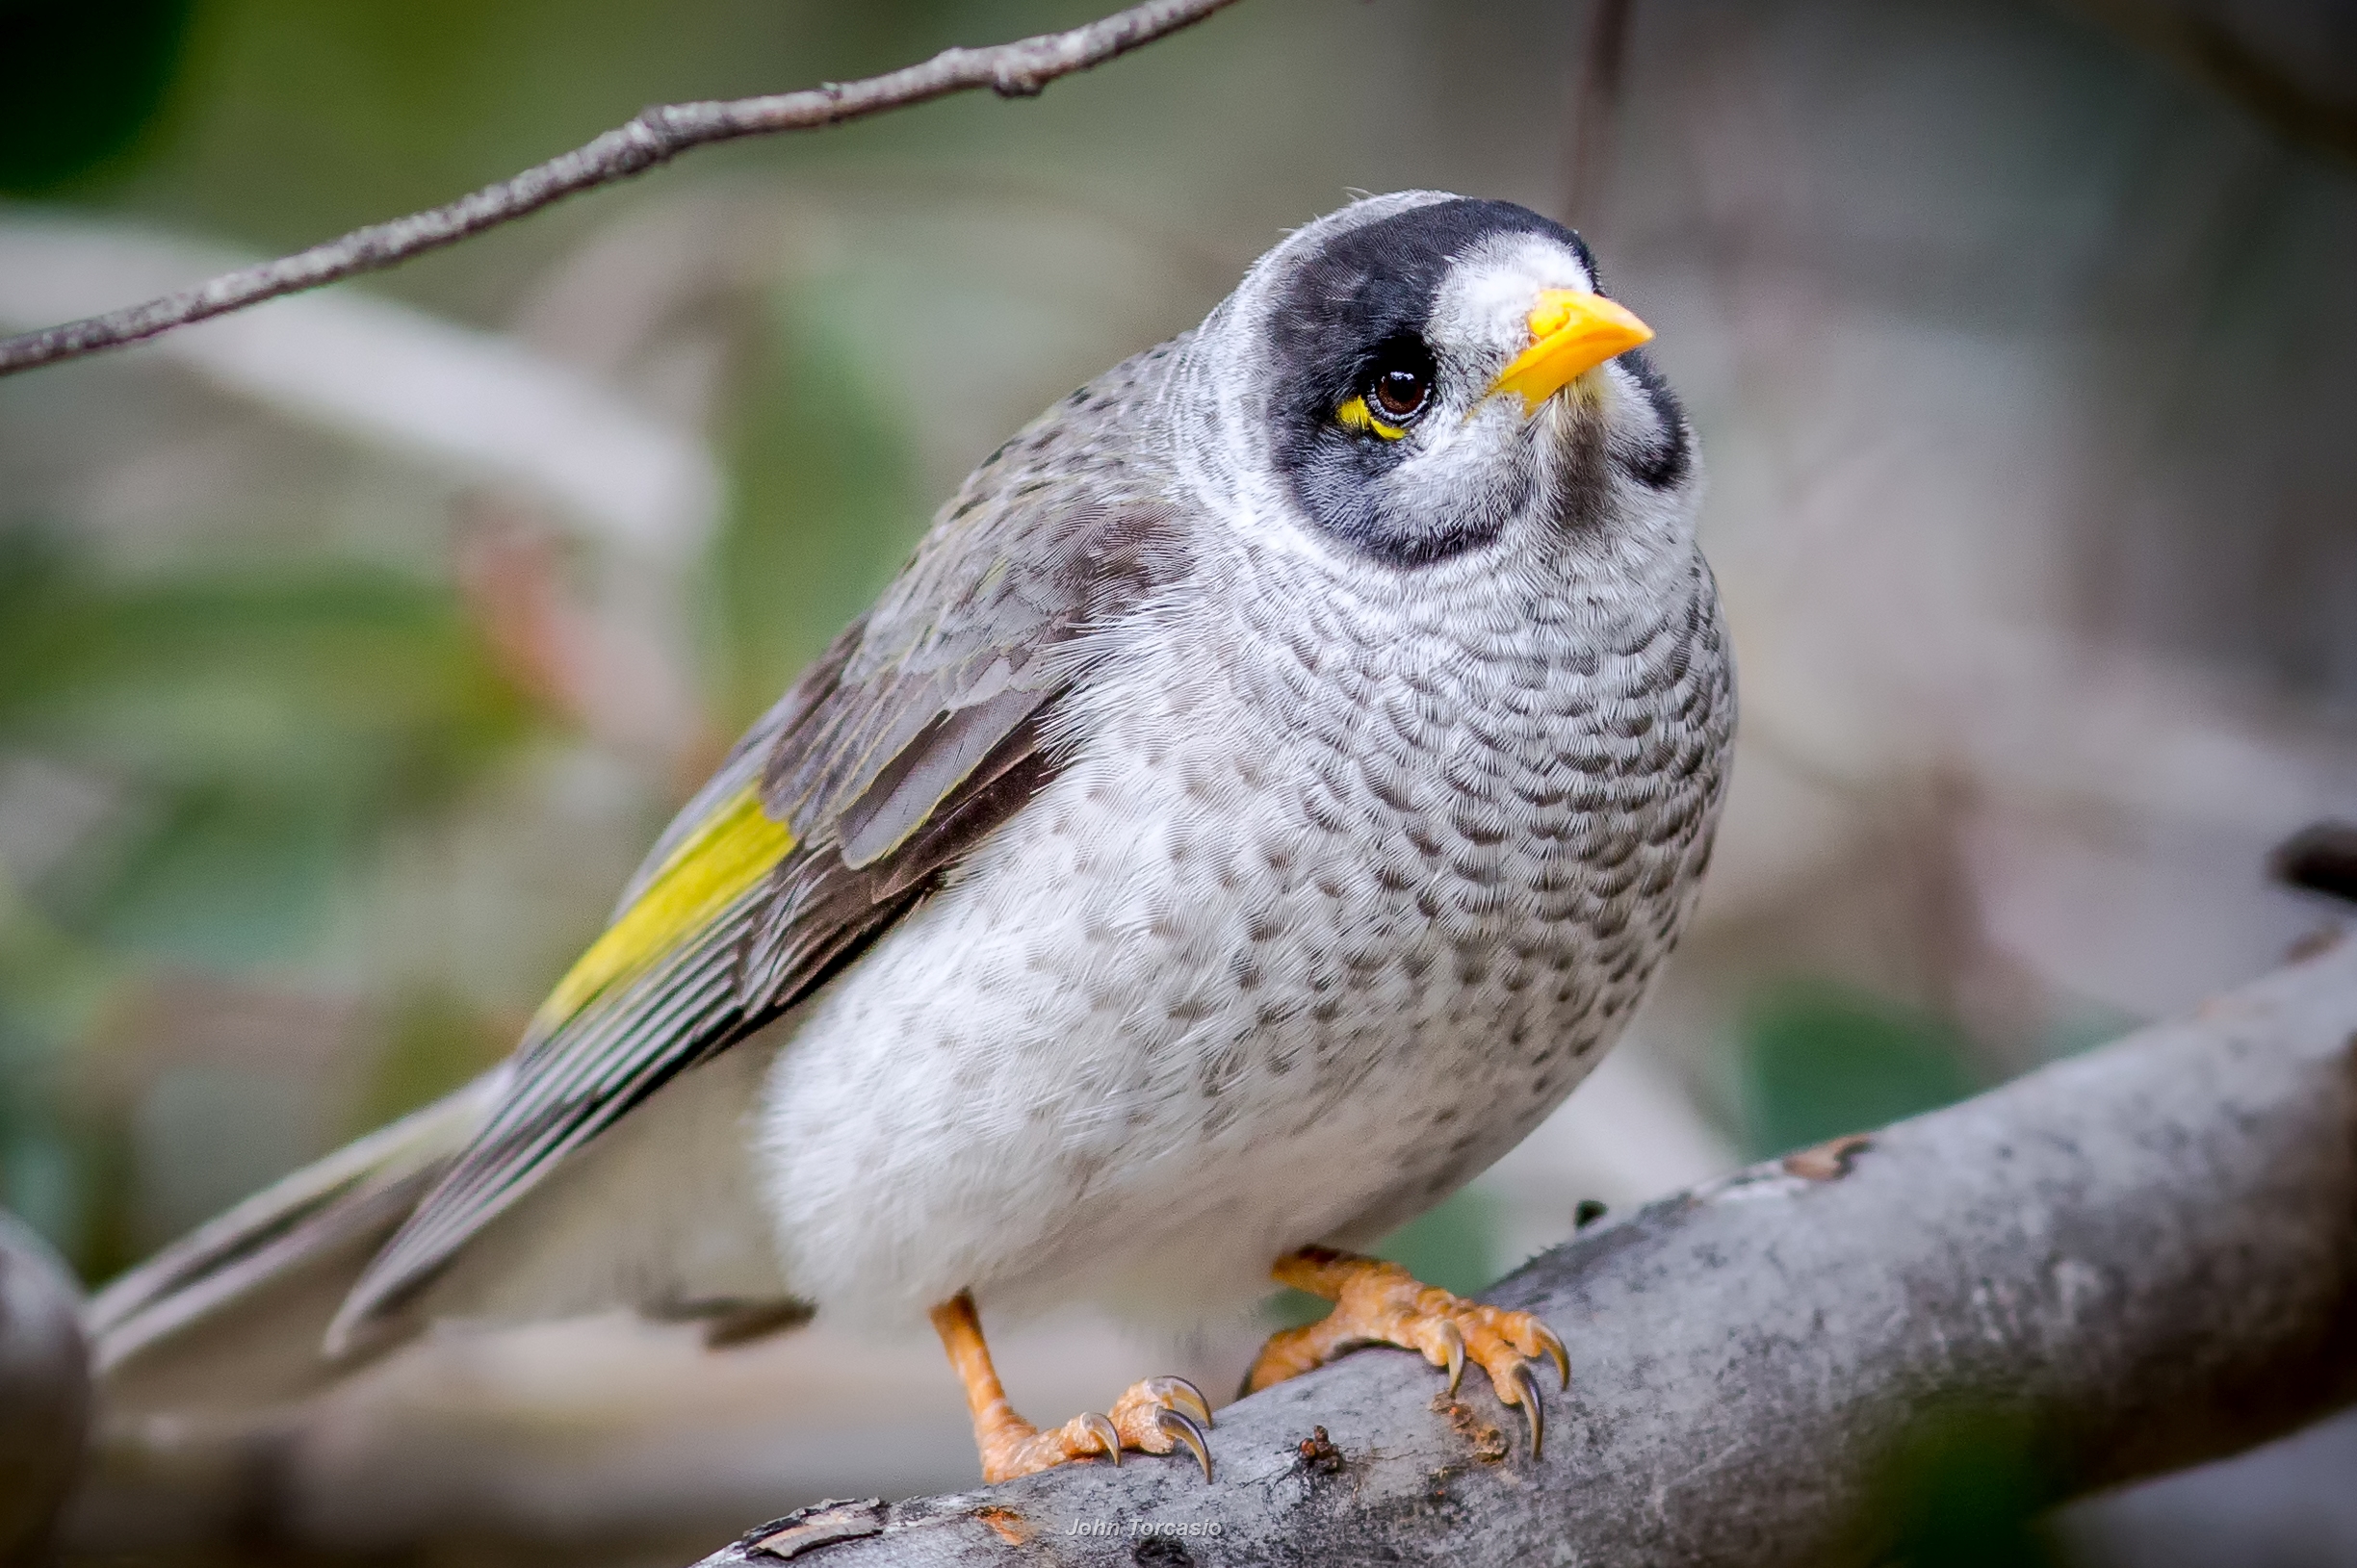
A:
[1021,68]
[2135,1260]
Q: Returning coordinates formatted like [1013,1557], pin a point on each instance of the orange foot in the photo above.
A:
[1381,1303]
[1153,1417]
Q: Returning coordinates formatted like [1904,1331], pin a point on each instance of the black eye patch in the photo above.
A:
[1350,323]
[1377,283]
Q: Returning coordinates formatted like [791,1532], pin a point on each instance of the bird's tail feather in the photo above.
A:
[238,1308]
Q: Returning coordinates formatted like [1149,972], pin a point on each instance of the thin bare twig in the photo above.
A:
[1020,69]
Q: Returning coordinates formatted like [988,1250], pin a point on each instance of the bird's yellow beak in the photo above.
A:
[1571,332]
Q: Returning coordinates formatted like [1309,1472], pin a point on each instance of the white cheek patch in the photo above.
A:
[1481,318]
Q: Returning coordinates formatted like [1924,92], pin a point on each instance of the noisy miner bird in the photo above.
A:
[1262,796]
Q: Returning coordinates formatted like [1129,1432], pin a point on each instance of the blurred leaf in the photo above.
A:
[260,735]
[219,876]
[1454,1246]
[1819,1060]
[85,80]
[824,510]
[50,984]
[303,119]
[38,1178]
[1963,1489]
[434,1044]
[54,1166]
[228,675]
[38,1183]
[265,730]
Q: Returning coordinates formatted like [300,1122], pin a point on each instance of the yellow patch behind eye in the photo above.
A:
[1355,415]
[728,852]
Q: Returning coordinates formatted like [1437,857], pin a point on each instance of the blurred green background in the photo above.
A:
[2018,335]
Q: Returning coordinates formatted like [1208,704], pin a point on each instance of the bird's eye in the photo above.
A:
[1394,390]
[1401,392]
[1400,380]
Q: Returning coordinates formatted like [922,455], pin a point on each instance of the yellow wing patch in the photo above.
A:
[728,852]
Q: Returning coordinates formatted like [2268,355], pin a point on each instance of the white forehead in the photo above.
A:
[1486,298]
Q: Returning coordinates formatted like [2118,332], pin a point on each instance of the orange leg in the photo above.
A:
[1381,1303]
[1153,1417]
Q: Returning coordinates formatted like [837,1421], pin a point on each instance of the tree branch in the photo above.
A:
[45,1392]
[2135,1260]
[1020,69]
[2213,53]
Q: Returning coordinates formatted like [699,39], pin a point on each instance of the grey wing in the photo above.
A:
[288,1252]
[923,727]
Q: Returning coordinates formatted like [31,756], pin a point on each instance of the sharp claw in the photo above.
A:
[1180,1428]
[1526,1395]
[1453,1343]
[1107,1436]
[1554,1348]
[1186,1397]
